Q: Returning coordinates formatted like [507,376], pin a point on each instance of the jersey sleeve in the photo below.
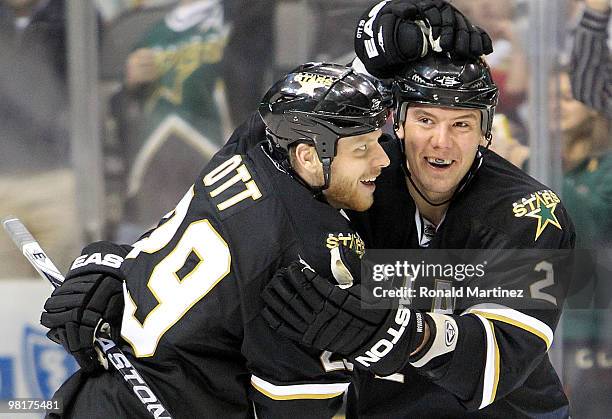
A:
[500,341]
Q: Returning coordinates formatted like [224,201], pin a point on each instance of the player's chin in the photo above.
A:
[440,184]
[362,201]
[439,193]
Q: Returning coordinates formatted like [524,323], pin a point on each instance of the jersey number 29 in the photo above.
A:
[175,296]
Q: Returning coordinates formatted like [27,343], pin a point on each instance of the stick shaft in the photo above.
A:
[32,251]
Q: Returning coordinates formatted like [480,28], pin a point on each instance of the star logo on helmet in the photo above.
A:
[447,81]
[310,82]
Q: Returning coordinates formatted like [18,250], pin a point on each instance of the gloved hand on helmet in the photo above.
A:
[393,33]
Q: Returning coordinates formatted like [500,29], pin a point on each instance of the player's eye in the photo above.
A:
[462,124]
[362,147]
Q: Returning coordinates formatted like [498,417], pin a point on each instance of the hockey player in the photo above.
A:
[445,190]
[191,323]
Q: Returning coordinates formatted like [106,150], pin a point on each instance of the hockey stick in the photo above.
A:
[45,267]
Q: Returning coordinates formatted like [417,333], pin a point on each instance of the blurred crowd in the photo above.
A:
[176,77]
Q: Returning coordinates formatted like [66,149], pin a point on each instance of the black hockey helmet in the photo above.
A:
[444,80]
[319,103]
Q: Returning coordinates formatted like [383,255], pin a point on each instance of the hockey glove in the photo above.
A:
[92,291]
[396,32]
[309,309]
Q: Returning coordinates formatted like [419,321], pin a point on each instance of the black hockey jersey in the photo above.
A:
[500,367]
[192,325]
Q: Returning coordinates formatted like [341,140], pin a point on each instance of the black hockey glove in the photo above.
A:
[395,32]
[92,291]
[309,309]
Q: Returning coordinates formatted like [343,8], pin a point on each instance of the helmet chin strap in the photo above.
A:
[317,191]
[326,162]
[422,195]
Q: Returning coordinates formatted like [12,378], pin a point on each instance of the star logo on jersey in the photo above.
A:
[540,205]
[545,214]
[177,65]
[309,82]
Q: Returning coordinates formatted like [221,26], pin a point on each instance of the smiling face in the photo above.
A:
[359,160]
[441,144]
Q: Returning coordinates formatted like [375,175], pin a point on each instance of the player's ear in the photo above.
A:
[306,163]
[306,156]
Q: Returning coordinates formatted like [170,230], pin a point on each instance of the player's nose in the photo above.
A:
[442,136]
[380,158]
